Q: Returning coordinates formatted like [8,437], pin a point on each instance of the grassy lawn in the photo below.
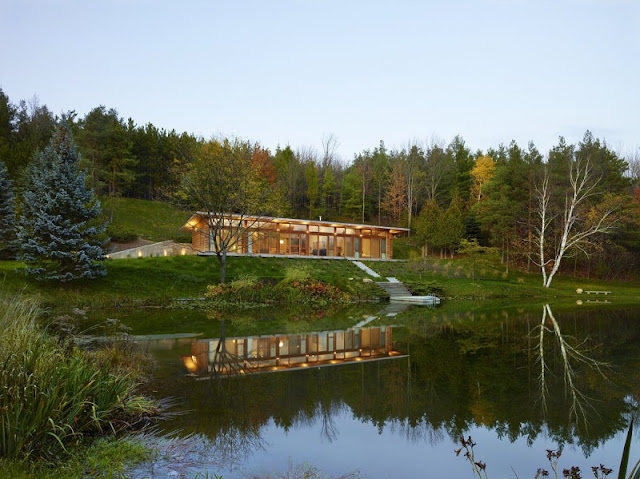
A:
[151,220]
[155,281]
[453,278]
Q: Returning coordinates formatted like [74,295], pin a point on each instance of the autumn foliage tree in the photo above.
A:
[224,184]
[395,201]
[481,173]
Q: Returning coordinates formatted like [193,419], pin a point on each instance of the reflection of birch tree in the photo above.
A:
[572,357]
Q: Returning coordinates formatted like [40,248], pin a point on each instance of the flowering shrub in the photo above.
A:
[251,292]
[314,289]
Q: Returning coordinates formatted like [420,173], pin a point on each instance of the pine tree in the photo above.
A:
[59,234]
[7,214]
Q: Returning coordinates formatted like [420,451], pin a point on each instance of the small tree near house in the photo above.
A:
[59,235]
[225,186]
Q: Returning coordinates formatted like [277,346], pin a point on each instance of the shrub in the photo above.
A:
[121,234]
[246,289]
[426,288]
[53,396]
[297,272]
[313,290]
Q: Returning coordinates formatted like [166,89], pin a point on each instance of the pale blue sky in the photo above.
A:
[290,71]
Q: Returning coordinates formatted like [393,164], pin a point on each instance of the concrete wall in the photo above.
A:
[164,248]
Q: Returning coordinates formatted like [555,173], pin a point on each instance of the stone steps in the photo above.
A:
[394,289]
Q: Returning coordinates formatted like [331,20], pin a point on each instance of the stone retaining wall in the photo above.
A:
[164,248]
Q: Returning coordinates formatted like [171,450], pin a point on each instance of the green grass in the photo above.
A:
[454,278]
[151,220]
[155,281]
[105,458]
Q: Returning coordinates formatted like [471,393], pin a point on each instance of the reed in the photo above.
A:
[54,396]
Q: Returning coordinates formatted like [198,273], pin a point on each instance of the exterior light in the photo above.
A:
[281,241]
[194,359]
[280,344]
[139,254]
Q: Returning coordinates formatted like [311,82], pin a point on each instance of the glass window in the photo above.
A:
[263,243]
[350,231]
[314,245]
[350,251]
[339,246]
[326,229]
[340,231]
[375,248]
[303,245]
[330,251]
[366,247]
[299,227]
[273,243]
[295,244]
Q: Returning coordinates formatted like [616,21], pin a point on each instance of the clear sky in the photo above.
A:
[288,72]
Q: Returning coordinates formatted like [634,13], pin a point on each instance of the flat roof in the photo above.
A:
[298,221]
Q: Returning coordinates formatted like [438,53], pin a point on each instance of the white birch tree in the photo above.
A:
[577,226]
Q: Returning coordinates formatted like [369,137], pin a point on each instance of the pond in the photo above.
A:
[381,393]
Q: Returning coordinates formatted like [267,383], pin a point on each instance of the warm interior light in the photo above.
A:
[281,344]
[281,241]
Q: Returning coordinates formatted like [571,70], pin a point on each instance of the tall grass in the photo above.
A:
[53,396]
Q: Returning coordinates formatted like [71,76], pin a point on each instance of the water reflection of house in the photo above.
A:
[267,236]
[290,351]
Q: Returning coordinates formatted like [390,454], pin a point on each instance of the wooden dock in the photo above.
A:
[398,293]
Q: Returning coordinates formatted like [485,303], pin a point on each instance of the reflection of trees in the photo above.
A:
[572,356]
[225,363]
[475,371]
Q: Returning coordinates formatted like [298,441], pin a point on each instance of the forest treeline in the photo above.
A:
[445,192]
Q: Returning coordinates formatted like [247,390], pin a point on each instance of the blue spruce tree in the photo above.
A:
[7,214]
[59,235]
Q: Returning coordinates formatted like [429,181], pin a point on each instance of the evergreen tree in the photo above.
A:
[7,213]
[58,233]
[351,195]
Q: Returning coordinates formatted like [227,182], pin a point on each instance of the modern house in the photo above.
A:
[296,237]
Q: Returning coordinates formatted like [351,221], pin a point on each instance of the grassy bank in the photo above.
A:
[55,397]
[459,279]
[156,281]
[150,220]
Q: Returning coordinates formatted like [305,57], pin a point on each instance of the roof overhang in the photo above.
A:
[193,221]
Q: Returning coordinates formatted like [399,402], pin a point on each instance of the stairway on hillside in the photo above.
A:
[394,289]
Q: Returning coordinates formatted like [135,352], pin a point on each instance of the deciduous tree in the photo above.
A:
[223,183]
[579,223]
[481,173]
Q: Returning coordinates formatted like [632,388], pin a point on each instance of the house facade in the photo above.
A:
[270,236]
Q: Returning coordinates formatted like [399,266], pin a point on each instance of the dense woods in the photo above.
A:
[445,192]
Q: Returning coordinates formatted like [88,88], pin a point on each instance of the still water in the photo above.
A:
[379,393]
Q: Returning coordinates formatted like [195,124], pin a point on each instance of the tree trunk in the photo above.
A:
[222,258]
